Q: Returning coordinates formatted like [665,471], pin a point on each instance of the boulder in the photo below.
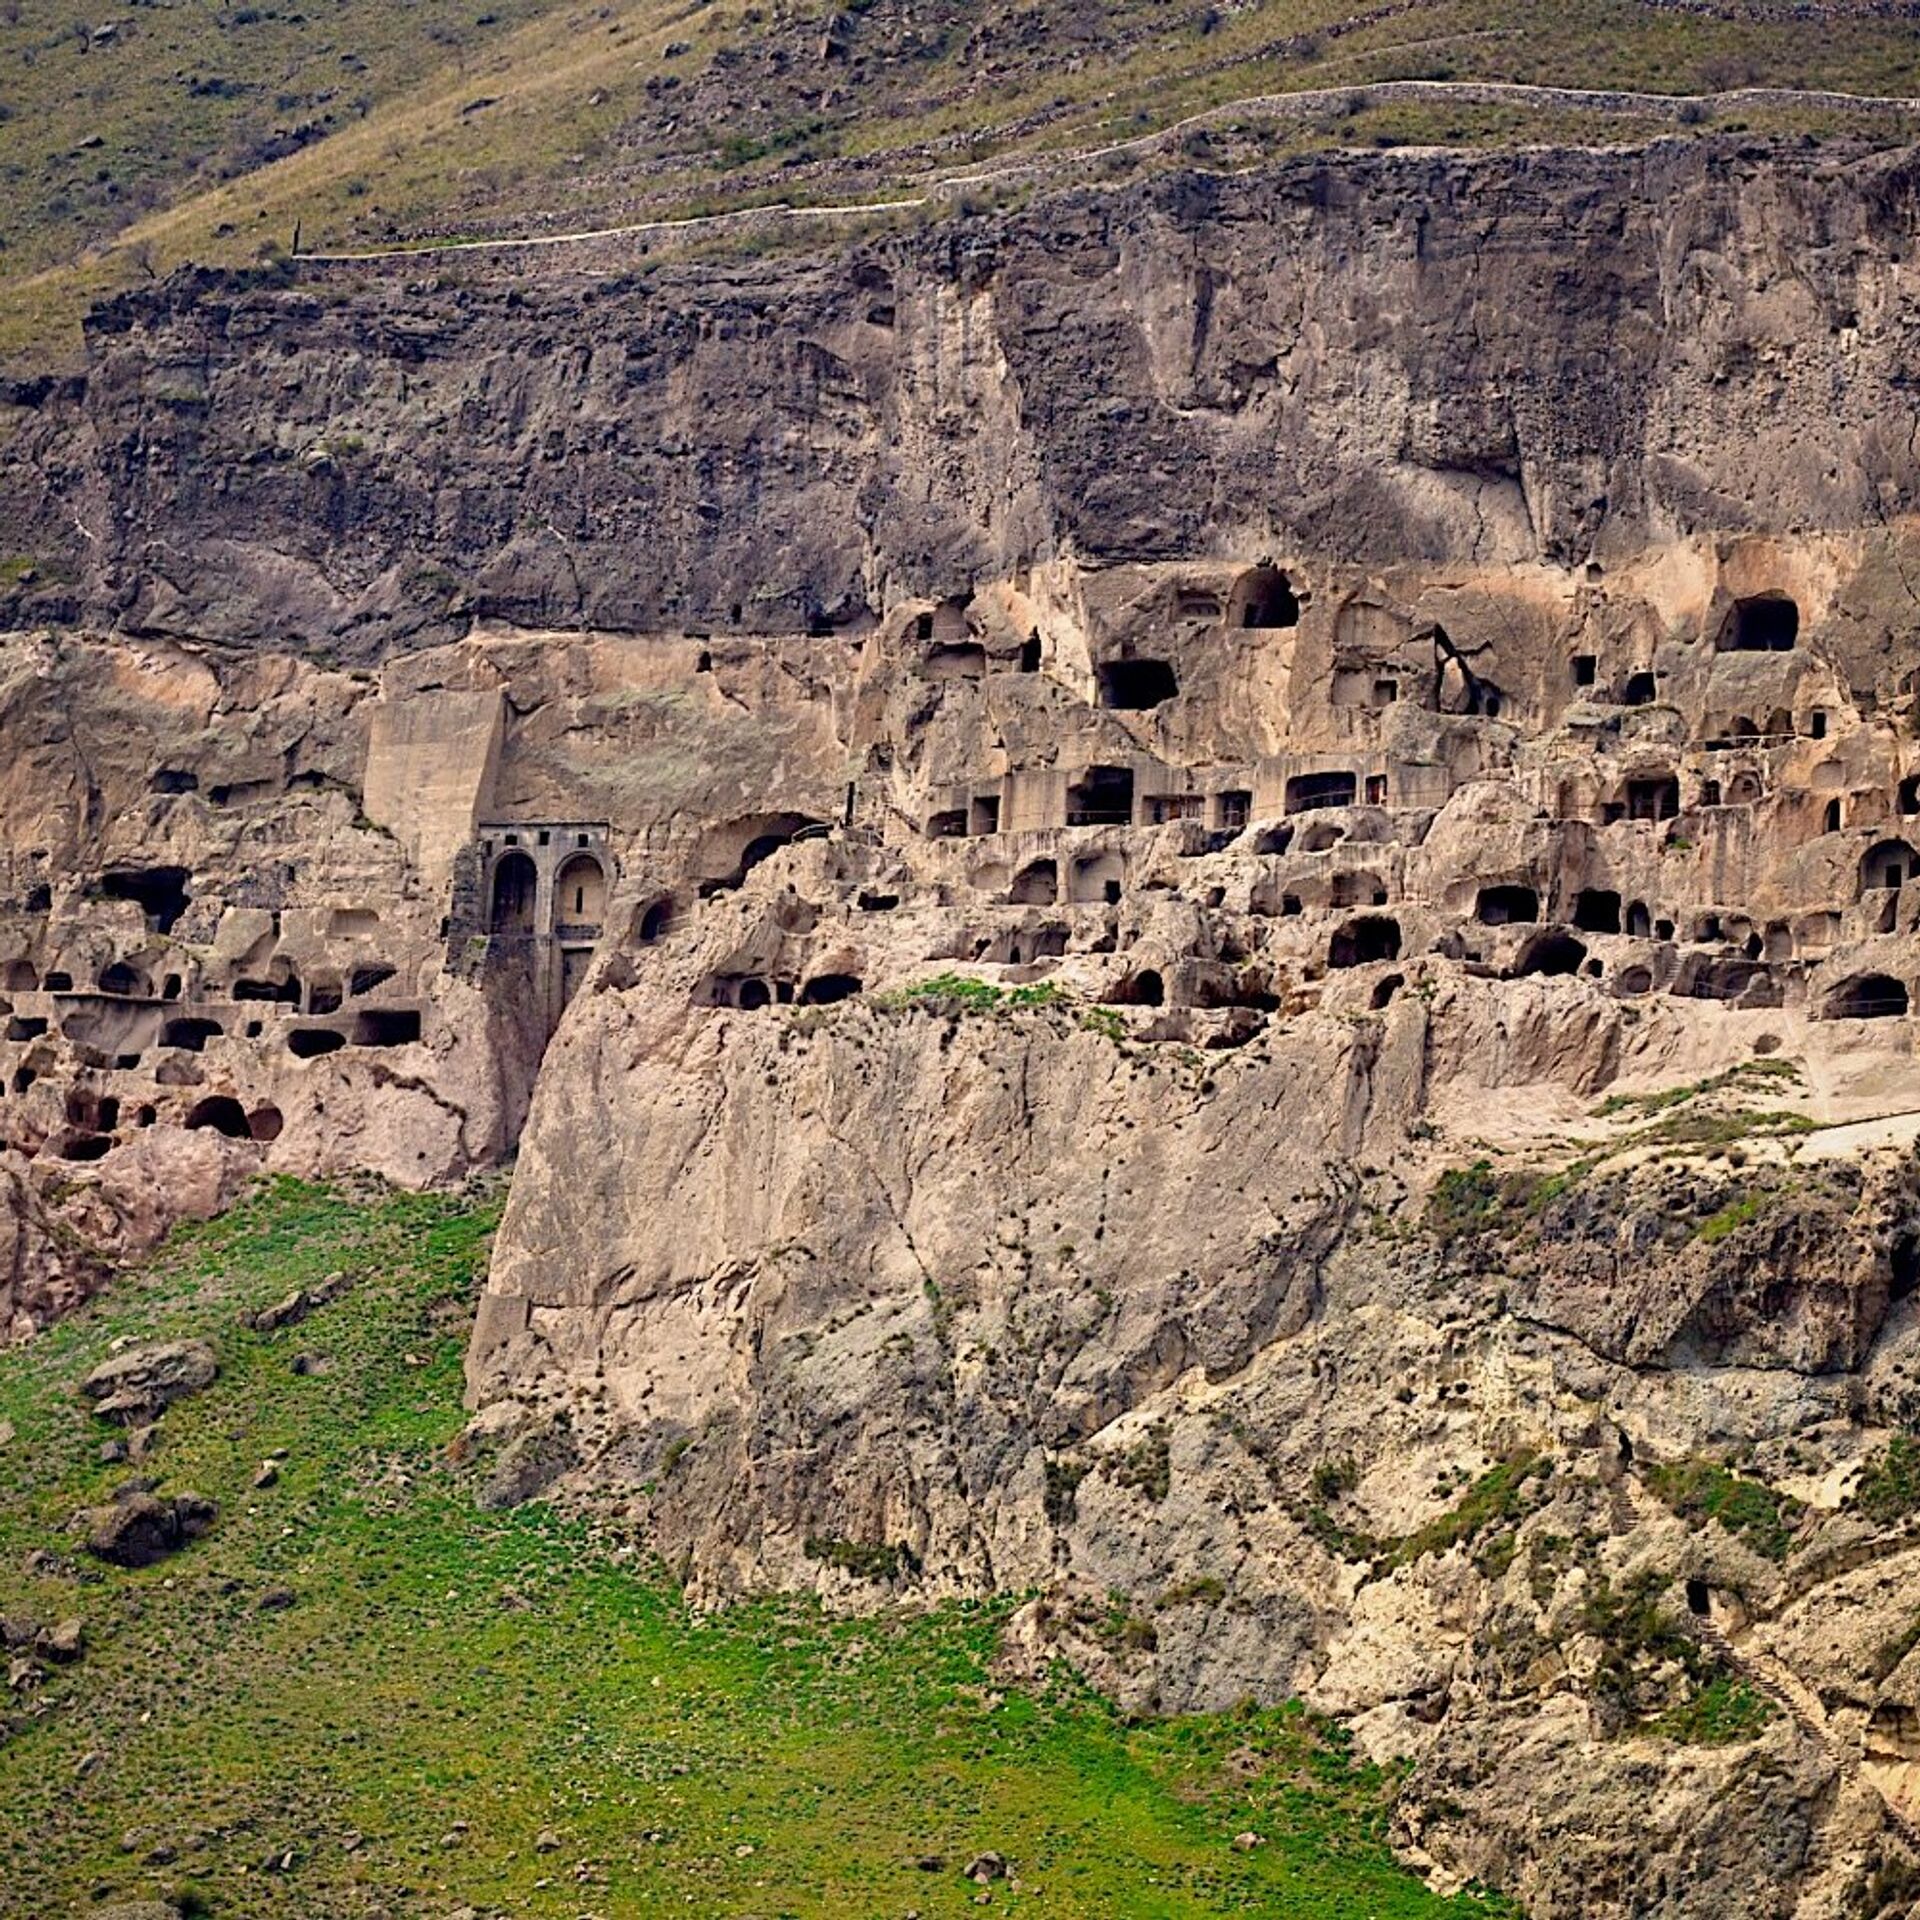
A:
[143,1528]
[284,1313]
[61,1643]
[134,1386]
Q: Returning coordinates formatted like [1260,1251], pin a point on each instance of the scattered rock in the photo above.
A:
[268,1475]
[18,1630]
[113,1453]
[312,1363]
[932,1863]
[138,1530]
[985,1867]
[1247,1842]
[22,1674]
[277,1600]
[546,1841]
[283,1313]
[134,1386]
[143,1441]
[61,1644]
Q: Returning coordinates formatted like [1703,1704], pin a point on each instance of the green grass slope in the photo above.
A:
[507,1711]
[209,132]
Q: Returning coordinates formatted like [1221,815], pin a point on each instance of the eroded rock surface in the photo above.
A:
[1203,899]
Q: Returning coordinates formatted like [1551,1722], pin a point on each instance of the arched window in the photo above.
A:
[581,891]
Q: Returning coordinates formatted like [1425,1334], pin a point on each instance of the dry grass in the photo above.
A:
[534,117]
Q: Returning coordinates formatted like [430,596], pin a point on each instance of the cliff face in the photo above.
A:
[1410,358]
[1224,882]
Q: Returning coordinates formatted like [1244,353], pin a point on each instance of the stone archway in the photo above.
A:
[513,896]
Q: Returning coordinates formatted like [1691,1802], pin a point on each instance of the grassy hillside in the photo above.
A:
[505,1711]
[206,132]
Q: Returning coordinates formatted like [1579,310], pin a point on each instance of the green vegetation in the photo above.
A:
[1722,1129]
[1704,1490]
[1724,1711]
[1889,1490]
[1333,1478]
[875,1562]
[960,993]
[1464,1201]
[1758,1072]
[1641,1639]
[1677,1120]
[428,1689]
[1732,1217]
[1203,1589]
[1469,1201]
[1148,1465]
[1500,1498]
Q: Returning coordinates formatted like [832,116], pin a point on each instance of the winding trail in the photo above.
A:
[1680,108]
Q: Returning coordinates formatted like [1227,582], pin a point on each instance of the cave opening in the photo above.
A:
[1136,686]
[159,892]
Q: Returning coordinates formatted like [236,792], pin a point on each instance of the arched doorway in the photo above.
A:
[516,887]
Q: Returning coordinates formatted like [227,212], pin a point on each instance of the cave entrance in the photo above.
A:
[1551,954]
[1766,623]
[125,982]
[1872,996]
[386,1027]
[223,1114]
[159,892]
[1903,1265]
[190,1036]
[1036,885]
[1361,942]
[829,989]
[1263,597]
[1503,906]
[1655,798]
[1101,797]
[1596,910]
[1136,686]
[1312,792]
[1889,866]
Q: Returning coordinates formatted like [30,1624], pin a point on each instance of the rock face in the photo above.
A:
[1395,359]
[1212,891]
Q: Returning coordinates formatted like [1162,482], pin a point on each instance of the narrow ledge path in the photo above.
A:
[1680,108]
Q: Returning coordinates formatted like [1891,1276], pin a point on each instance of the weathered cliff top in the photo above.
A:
[174,134]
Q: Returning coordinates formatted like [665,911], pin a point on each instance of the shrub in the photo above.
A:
[1889,1490]
[1703,1490]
